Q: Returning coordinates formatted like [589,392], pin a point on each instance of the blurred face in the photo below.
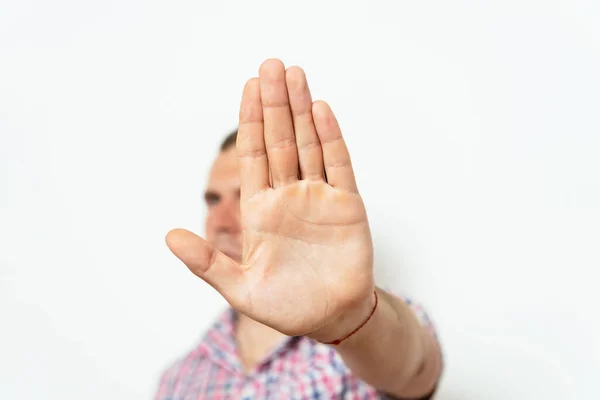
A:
[223,227]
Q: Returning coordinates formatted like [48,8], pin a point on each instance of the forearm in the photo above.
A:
[393,352]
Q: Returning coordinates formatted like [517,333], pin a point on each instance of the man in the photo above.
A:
[289,247]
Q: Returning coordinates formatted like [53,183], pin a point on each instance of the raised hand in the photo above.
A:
[307,264]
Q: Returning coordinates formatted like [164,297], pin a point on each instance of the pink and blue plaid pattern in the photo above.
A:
[298,369]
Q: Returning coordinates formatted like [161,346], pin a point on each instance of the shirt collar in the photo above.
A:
[219,343]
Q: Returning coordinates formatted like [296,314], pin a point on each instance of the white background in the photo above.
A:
[474,129]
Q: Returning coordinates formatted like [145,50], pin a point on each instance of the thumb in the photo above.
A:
[208,263]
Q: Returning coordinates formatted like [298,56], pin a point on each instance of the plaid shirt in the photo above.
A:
[298,368]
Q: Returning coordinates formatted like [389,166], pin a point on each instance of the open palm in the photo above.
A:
[307,251]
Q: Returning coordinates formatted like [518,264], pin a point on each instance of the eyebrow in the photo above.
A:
[212,194]
[209,194]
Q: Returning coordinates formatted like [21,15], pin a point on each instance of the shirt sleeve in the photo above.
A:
[163,391]
[169,381]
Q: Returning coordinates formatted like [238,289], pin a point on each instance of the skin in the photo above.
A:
[292,251]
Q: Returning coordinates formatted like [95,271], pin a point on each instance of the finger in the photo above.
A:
[250,144]
[336,157]
[206,262]
[278,126]
[310,155]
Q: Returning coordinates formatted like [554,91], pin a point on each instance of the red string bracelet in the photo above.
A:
[338,341]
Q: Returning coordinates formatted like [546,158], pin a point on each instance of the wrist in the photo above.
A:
[348,323]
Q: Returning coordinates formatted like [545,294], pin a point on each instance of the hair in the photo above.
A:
[229,141]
